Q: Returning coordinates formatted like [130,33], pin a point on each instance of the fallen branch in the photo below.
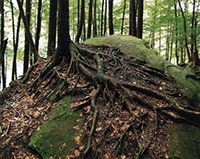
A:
[13,108]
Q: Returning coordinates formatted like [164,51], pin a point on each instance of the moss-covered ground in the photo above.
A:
[55,138]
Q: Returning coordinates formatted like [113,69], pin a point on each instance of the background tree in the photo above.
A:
[140,19]
[26,48]
[3,46]
[82,21]
[111,29]
[102,17]
[132,18]
[52,27]
[123,17]
[63,30]
[95,19]
[89,19]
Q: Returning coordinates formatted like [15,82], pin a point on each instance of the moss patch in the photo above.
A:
[56,136]
[137,48]
[184,142]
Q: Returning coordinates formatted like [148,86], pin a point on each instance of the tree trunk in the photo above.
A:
[176,32]
[89,20]
[140,19]
[81,21]
[27,31]
[63,30]
[38,29]
[95,19]
[52,27]
[132,18]
[194,53]
[26,47]
[3,46]
[78,15]
[122,27]
[102,17]
[105,18]
[185,31]
[14,69]
[111,29]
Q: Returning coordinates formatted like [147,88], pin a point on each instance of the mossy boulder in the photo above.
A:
[139,48]
[56,135]
[184,140]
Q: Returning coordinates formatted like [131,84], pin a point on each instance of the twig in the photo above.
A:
[13,108]
[7,129]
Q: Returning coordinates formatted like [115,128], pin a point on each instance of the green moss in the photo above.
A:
[184,142]
[56,135]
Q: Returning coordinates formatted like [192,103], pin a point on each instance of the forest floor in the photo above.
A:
[126,113]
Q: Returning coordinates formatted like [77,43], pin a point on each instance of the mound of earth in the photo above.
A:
[104,104]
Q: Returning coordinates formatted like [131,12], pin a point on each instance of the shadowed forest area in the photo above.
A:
[100,79]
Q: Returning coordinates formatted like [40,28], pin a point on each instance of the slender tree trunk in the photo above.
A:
[52,27]
[27,31]
[195,38]
[160,38]
[132,18]
[105,18]
[14,69]
[3,46]
[63,30]
[95,19]
[111,29]
[185,31]
[140,19]
[26,47]
[82,20]
[102,17]
[176,32]
[38,29]
[171,44]
[89,20]
[78,15]
[182,54]
[122,27]
[194,54]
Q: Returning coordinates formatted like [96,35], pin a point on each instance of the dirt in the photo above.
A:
[127,107]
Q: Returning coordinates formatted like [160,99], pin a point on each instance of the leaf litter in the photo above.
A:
[127,111]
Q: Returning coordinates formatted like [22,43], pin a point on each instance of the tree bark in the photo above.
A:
[111,29]
[81,21]
[194,53]
[14,69]
[102,17]
[95,19]
[185,31]
[63,30]
[38,29]
[140,19]
[132,18]
[176,31]
[52,27]
[122,27]
[3,46]
[89,20]
[105,18]
[27,31]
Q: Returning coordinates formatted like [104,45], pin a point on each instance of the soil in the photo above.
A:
[127,106]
